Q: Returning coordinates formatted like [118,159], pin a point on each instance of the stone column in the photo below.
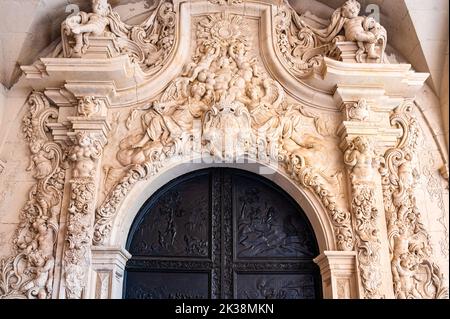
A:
[366,132]
[89,131]
[339,274]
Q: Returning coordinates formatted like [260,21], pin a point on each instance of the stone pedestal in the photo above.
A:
[339,274]
[108,266]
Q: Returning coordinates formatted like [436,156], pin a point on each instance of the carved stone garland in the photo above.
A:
[29,274]
[360,158]
[414,273]
[303,41]
[148,44]
[226,106]
[85,154]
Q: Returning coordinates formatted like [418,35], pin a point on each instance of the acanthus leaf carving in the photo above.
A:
[414,272]
[29,274]
[303,42]
[148,44]
[225,105]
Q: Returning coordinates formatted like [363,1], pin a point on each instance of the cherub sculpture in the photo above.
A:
[84,24]
[365,31]
[85,153]
[362,158]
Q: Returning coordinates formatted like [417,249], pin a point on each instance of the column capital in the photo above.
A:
[339,274]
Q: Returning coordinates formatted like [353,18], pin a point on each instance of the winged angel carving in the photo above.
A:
[226,106]
[304,41]
[148,43]
[224,101]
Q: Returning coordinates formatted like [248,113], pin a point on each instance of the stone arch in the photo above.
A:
[110,256]
[133,202]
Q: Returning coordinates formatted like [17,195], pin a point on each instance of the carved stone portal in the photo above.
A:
[220,102]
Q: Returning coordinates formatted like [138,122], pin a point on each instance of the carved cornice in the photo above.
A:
[29,274]
[414,272]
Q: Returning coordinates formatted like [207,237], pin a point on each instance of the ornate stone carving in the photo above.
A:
[2,166]
[29,274]
[415,274]
[223,104]
[357,111]
[225,2]
[360,157]
[147,44]
[106,212]
[84,153]
[302,41]
[310,178]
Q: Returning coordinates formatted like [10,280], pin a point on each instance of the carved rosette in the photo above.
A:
[414,272]
[77,255]
[29,274]
[360,157]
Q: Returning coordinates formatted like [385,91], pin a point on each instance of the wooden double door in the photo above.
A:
[221,233]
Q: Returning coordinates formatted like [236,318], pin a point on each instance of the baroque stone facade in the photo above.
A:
[117,107]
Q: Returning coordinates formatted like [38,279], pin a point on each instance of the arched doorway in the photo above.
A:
[221,233]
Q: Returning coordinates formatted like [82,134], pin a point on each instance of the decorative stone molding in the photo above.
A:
[148,44]
[225,2]
[85,154]
[29,274]
[108,266]
[414,273]
[303,42]
[360,159]
[106,212]
[224,105]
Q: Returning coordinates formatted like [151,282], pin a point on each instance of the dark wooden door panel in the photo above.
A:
[221,233]
[168,285]
[275,286]
[178,223]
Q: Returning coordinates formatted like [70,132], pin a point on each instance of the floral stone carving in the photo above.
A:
[29,274]
[303,42]
[84,153]
[414,272]
[224,104]
[148,44]
[360,157]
